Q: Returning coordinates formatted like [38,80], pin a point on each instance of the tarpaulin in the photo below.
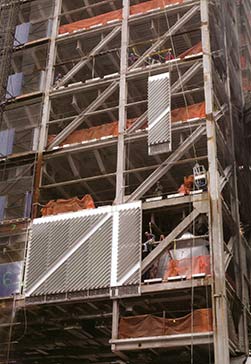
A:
[54,207]
[96,132]
[149,325]
[194,50]
[111,129]
[189,112]
[103,19]
[188,266]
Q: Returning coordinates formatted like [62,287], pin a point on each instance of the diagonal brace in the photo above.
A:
[83,62]
[167,164]
[138,123]
[225,178]
[80,118]
[186,77]
[179,229]
[177,26]
[229,252]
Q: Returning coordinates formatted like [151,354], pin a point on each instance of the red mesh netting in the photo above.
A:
[149,325]
[59,206]
[95,132]
[191,112]
[108,129]
[113,15]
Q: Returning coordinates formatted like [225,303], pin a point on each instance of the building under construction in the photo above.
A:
[125,181]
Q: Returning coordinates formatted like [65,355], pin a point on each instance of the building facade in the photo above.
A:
[140,109]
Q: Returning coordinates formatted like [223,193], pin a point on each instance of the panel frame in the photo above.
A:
[106,213]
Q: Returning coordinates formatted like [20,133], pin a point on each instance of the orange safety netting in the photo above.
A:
[149,325]
[60,206]
[188,266]
[114,15]
[111,129]
[95,132]
[194,50]
[190,112]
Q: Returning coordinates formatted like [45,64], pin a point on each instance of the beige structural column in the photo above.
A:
[219,297]
[46,102]
[121,151]
[121,148]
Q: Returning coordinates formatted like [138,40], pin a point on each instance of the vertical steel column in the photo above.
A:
[219,298]
[121,148]
[46,103]
[115,319]
[121,151]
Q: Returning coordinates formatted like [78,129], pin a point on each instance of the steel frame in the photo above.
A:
[212,204]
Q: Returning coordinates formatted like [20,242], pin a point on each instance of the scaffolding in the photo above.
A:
[125,210]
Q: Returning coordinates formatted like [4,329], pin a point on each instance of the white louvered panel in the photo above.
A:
[74,251]
[129,249]
[159,114]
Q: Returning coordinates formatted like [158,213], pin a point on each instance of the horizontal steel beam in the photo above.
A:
[131,75]
[168,341]
[174,286]
[113,174]
[175,201]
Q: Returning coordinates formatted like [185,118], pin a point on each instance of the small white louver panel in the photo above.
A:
[89,249]
[159,114]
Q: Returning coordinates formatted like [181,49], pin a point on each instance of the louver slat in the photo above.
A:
[85,250]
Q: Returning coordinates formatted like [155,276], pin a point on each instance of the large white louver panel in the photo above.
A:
[88,249]
[159,114]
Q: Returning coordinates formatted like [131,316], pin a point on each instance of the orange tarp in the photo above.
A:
[60,206]
[188,266]
[194,50]
[190,112]
[149,325]
[117,14]
[97,132]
